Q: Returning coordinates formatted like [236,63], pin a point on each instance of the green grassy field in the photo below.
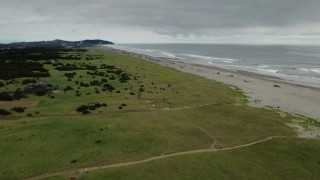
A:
[284,158]
[176,112]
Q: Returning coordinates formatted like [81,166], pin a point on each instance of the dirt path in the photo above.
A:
[112,112]
[214,141]
[99,167]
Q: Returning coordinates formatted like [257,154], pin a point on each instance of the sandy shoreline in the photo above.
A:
[263,90]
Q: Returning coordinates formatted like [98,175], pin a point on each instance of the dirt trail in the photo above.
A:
[112,112]
[99,167]
[214,141]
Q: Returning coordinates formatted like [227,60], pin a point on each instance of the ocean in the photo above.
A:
[292,63]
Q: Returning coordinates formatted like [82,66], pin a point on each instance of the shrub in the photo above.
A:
[27,81]
[2,84]
[82,108]
[5,97]
[68,88]
[4,112]
[40,93]
[104,105]
[85,109]
[19,109]
[18,94]
[86,112]
[108,87]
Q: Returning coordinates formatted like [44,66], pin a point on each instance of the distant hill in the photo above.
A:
[55,43]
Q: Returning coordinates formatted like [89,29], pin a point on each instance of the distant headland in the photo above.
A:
[56,43]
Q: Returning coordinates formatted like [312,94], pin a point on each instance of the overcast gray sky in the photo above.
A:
[162,21]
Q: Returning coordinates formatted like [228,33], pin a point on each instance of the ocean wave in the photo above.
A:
[225,60]
[314,70]
[317,55]
[263,66]
[268,70]
[150,52]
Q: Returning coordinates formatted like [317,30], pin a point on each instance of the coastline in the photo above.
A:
[263,90]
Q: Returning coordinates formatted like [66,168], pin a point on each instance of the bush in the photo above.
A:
[27,81]
[86,112]
[108,87]
[18,94]
[4,112]
[104,105]
[5,97]
[68,88]
[85,109]
[82,108]
[19,109]
[40,93]
[2,84]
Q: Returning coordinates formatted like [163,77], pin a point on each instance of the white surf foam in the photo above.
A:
[225,60]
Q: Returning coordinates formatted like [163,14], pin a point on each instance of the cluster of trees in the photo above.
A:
[4,112]
[25,62]
[16,95]
[74,67]
[68,88]
[17,69]
[103,82]
[96,73]
[98,83]
[112,71]
[108,87]
[122,106]
[87,109]
[124,78]
[93,57]
[32,53]
[71,57]
[70,75]
[68,67]
[27,81]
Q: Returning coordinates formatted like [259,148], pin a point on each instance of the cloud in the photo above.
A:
[167,18]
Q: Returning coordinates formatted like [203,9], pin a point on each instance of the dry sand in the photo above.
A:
[263,91]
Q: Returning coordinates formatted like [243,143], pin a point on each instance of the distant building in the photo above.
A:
[36,87]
